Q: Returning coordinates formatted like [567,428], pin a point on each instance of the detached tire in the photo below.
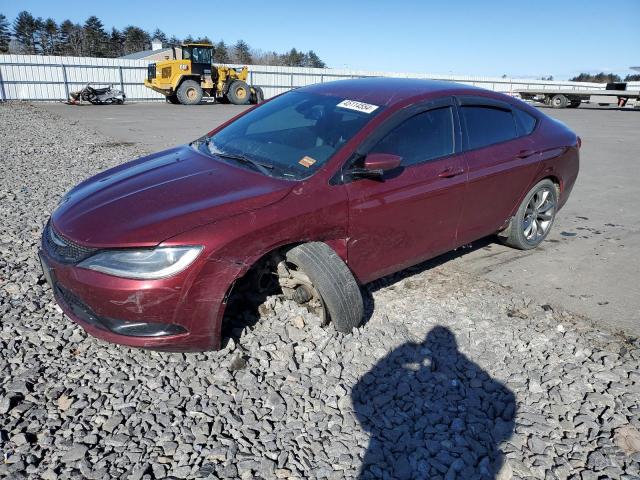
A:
[239,93]
[334,282]
[189,93]
[533,221]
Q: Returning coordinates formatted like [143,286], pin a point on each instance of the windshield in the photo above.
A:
[197,54]
[294,134]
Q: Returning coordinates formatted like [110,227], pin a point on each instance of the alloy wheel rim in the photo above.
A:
[539,215]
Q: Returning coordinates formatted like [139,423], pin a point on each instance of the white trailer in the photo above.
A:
[615,93]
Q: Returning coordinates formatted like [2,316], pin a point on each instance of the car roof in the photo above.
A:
[389,91]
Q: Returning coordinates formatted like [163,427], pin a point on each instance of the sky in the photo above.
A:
[517,38]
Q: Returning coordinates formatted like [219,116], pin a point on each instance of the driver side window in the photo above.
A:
[423,137]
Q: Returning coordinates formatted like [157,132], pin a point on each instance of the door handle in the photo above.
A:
[525,153]
[451,172]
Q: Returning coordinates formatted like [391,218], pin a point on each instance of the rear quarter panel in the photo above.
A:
[559,155]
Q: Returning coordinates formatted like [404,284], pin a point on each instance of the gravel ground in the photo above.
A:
[451,376]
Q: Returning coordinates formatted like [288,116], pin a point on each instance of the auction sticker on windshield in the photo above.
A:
[358,106]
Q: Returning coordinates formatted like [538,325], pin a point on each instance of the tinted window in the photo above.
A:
[426,136]
[488,125]
[295,133]
[526,123]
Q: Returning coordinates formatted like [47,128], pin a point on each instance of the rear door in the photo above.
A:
[502,161]
[412,213]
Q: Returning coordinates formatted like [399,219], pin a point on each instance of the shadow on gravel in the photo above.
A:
[432,413]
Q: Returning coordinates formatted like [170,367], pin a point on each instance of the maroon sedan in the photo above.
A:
[323,188]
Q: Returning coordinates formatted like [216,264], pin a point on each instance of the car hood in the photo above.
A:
[151,199]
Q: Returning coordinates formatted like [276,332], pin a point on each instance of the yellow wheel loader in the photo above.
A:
[187,80]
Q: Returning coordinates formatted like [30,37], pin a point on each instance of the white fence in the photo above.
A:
[50,78]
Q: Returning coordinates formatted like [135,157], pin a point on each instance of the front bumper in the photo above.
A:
[179,313]
[156,88]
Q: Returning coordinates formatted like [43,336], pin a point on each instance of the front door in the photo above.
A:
[412,213]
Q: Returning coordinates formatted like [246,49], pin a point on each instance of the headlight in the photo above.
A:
[142,264]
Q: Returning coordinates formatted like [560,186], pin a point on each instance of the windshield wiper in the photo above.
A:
[261,167]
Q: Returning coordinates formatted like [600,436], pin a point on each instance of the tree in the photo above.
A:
[173,41]
[71,38]
[204,39]
[293,58]
[49,37]
[116,43]
[632,78]
[241,53]
[597,78]
[221,53]
[95,38]
[160,35]
[135,39]
[313,60]
[25,30]
[5,36]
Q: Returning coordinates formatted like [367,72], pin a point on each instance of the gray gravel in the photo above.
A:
[451,377]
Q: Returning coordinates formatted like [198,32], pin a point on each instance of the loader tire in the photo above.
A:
[257,96]
[239,93]
[338,289]
[189,93]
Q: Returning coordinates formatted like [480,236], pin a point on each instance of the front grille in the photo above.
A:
[151,72]
[62,249]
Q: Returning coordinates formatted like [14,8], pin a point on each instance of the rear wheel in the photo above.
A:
[312,274]
[189,93]
[239,93]
[559,101]
[534,218]
[257,96]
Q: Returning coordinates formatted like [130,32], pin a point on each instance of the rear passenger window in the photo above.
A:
[526,122]
[488,125]
[426,136]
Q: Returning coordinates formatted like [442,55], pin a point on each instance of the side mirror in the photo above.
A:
[375,164]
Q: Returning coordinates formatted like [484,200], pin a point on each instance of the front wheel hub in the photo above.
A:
[302,294]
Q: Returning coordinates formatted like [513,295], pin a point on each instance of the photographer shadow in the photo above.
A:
[432,413]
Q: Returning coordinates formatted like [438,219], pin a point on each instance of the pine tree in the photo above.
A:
[25,30]
[204,39]
[241,53]
[116,43]
[5,36]
[135,40]
[313,60]
[71,38]
[160,35]
[293,58]
[49,37]
[221,53]
[95,38]
[174,41]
